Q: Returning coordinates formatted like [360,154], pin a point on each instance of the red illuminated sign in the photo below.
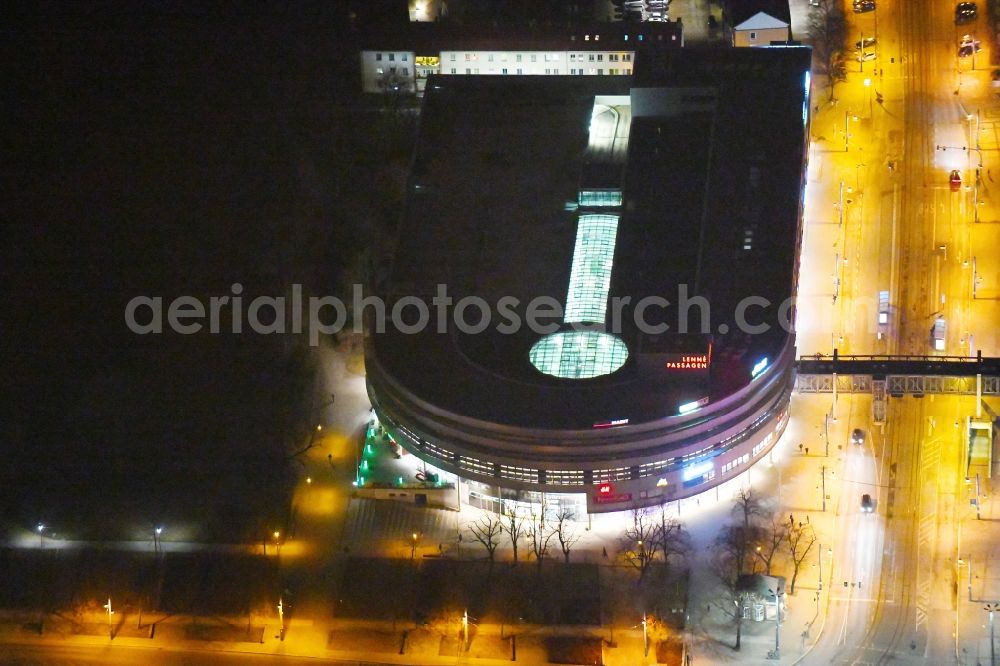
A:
[617,423]
[605,489]
[689,362]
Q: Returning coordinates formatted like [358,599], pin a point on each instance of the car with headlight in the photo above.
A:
[965,12]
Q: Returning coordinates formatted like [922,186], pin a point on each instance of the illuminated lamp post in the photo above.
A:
[107,607]
[992,608]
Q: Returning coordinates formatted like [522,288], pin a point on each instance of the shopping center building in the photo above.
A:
[607,266]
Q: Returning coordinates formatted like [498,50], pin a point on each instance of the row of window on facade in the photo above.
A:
[554,70]
[548,57]
[732,464]
[405,71]
[392,56]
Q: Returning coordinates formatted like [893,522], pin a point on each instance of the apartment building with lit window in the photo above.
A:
[401,60]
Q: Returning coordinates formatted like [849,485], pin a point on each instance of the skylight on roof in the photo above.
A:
[578,354]
[590,276]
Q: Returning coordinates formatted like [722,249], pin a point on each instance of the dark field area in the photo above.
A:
[435,591]
[67,581]
[169,149]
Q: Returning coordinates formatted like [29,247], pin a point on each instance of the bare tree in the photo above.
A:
[771,538]
[670,537]
[828,29]
[801,539]
[735,544]
[728,598]
[487,531]
[540,534]
[639,543]
[565,532]
[513,526]
[748,506]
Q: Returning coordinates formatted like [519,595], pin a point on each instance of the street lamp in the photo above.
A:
[41,528]
[776,654]
[107,607]
[157,531]
[645,637]
[991,608]
[277,542]
[413,545]
[281,619]
[868,85]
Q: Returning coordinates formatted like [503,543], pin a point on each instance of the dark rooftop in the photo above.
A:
[432,38]
[711,188]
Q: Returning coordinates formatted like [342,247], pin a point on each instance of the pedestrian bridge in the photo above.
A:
[897,376]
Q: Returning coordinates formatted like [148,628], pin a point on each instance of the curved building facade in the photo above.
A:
[595,277]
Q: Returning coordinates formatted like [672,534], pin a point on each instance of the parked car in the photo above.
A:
[865,43]
[955,180]
[867,505]
[965,12]
[865,56]
[938,334]
[968,46]
[857,436]
[863,6]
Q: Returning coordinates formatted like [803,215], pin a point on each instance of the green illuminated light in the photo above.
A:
[590,276]
[600,198]
[578,354]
